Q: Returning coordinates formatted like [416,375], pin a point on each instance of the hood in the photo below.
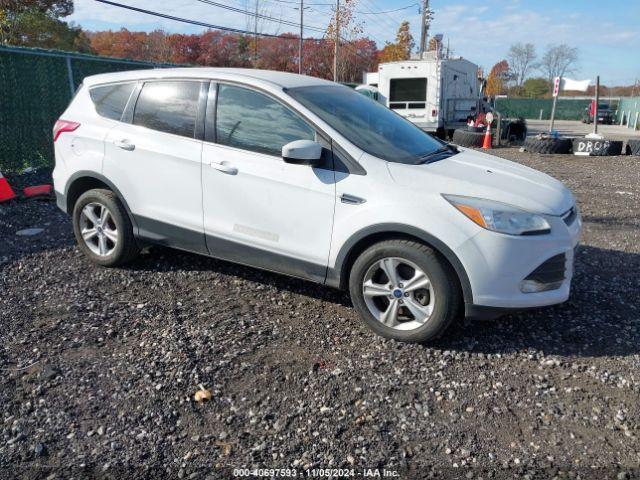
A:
[475,174]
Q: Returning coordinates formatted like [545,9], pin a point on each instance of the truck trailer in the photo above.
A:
[437,94]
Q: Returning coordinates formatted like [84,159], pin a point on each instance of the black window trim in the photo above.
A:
[135,96]
[109,84]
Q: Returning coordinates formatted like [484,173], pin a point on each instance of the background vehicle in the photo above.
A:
[311,179]
[605,114]
[437,94]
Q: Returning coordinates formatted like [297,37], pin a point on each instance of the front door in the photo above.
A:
[259,210]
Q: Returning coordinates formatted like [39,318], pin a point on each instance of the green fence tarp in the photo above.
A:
[529,108]
[35,90]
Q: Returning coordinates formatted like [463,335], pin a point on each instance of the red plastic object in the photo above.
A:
[37,191]
[6,193]
[486,143]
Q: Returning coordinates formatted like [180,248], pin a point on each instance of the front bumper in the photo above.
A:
[497,264]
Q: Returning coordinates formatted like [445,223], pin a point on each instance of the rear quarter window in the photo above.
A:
[110,100]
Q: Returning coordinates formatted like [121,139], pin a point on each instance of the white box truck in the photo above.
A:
[437,94]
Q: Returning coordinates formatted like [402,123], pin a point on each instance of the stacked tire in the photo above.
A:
[548,145]
[596,147]
[633,147]
[468,138]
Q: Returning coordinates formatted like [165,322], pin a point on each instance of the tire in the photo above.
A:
[633,146]
[476,129]
[465,138]
[113,231]
[596,148]
[548,145]
[436,304]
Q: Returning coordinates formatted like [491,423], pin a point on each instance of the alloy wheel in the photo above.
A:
[398,293]
[98,229]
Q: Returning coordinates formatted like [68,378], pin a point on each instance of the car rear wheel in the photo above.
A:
[102,228]
[403,290]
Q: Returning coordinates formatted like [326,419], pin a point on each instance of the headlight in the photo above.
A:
[499,217]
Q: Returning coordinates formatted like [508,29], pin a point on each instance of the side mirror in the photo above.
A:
[302,152]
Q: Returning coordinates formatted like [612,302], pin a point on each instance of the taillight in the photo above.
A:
[434,112]
[62,126]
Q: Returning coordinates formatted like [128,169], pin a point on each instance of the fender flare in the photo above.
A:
[97,176]
[335,275]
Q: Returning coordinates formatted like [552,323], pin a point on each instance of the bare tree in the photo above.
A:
[256,22]
[558,60]
[521,60]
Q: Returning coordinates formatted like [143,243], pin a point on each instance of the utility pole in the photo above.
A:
[337,40]
[595,110]
[301,34]
[425,28]
[255,35]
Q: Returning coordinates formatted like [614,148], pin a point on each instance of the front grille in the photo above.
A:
[570,215]
[551,271]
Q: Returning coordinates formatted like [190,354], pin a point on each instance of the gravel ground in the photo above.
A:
[100,367]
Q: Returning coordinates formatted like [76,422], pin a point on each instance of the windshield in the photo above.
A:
[367,124]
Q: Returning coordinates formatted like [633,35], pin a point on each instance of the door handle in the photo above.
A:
[224,168]
[125,145]
[351,199]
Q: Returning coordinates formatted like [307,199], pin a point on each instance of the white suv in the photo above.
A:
[311,179]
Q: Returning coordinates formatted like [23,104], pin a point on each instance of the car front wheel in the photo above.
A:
[403,290]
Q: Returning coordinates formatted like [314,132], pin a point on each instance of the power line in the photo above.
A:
[257,15]
[321,28]
[185,20]
[390,11]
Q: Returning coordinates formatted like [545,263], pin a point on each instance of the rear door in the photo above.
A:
[259,210]
[154,160]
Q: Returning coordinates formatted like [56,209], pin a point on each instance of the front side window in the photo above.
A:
[253,121]
[407,92]
[168,106]
[110,100]
[367,124]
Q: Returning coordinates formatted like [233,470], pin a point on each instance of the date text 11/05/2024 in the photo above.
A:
[316,473]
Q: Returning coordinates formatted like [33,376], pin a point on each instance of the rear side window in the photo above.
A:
[249,120]
[170,107]
[110,100]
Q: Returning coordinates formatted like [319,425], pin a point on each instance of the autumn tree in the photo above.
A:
[536,87]
[401,48]
[497,78]
[37,23]
[344,31]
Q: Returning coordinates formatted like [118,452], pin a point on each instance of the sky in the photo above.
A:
[607,34]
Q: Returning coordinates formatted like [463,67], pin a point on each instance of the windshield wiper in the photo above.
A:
[439,154]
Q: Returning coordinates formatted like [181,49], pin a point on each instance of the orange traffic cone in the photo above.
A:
[486,144]
[6,193]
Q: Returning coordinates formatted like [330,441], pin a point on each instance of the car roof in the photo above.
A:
[246,75]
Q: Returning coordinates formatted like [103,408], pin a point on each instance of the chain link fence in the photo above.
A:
[37,85]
